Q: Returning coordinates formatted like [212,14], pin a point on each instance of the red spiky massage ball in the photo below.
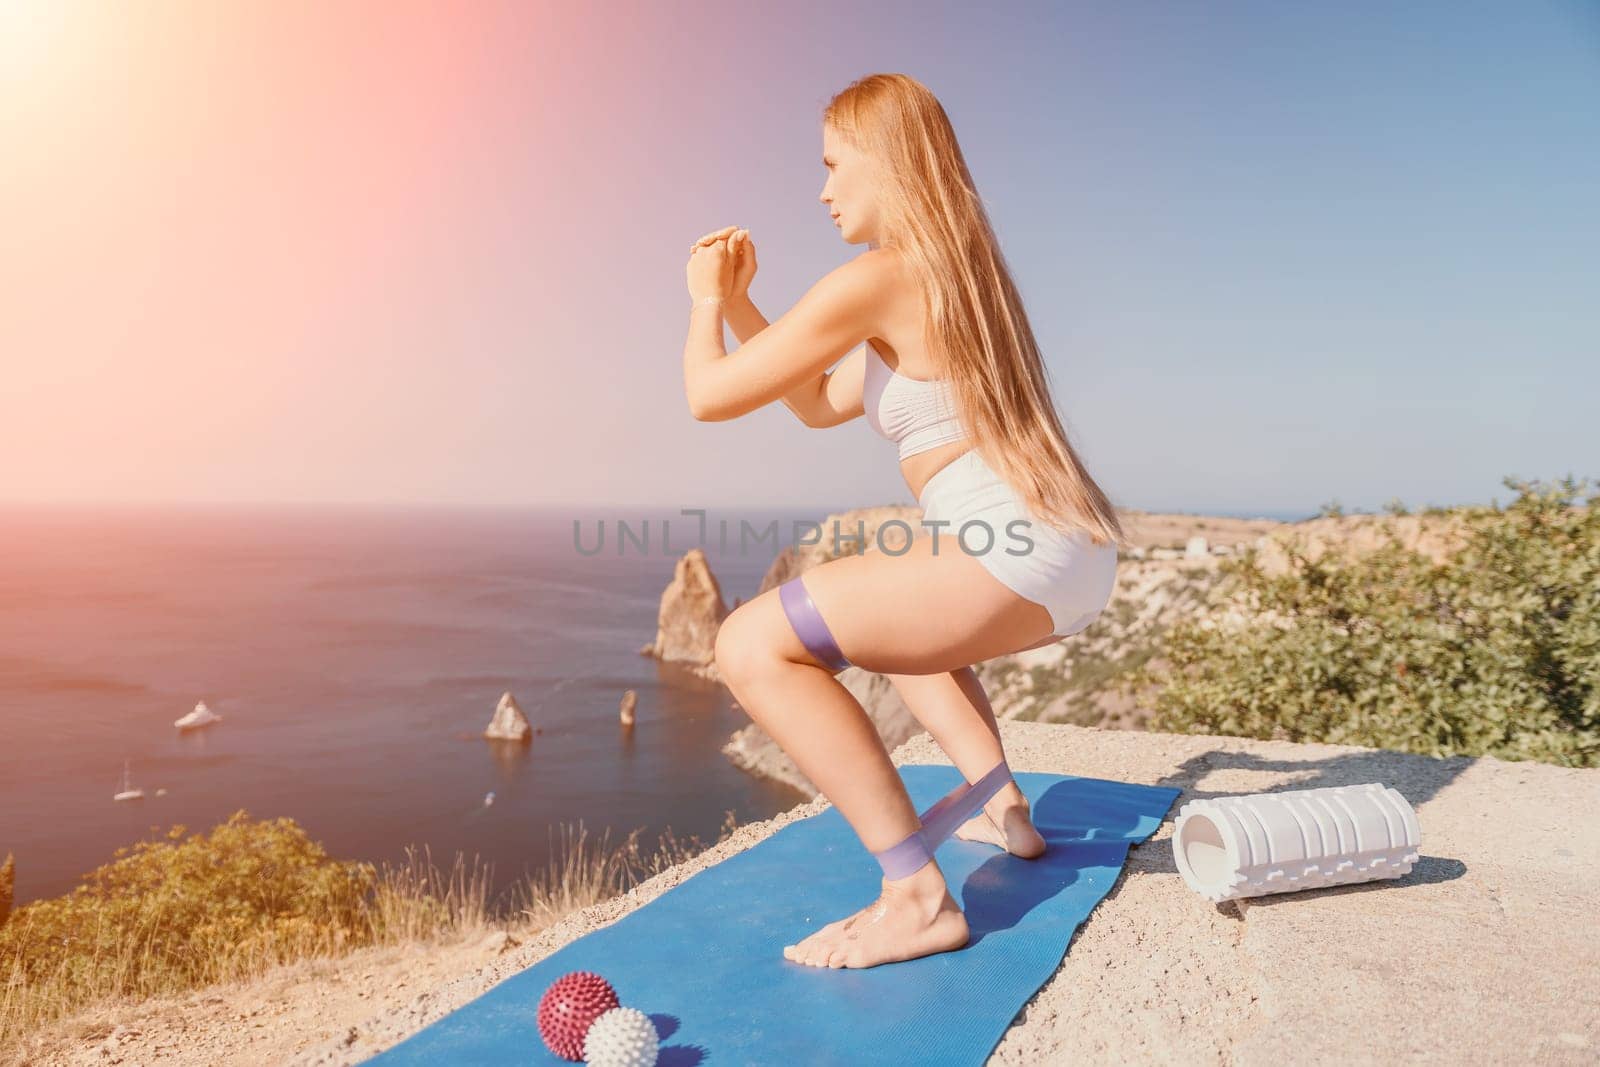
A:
[572,1002]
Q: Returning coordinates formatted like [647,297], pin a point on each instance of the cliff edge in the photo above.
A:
[1478,954]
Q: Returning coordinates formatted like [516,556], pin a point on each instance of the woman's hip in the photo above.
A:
[968,508]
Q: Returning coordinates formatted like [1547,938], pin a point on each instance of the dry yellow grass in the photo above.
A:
[70,998]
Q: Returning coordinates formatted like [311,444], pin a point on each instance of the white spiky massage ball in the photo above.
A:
[622,1037]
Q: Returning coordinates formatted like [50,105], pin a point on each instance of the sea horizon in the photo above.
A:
[585,512]
[356,660]
[356,652]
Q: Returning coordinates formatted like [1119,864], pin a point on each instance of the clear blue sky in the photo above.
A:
[1276,254]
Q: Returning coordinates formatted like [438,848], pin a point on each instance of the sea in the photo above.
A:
[356,656]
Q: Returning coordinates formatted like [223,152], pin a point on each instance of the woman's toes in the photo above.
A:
[806,947]
[814,950]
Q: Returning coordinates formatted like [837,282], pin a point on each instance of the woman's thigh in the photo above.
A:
[927,694]
[920,612]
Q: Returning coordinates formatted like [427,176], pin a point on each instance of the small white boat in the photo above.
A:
[129,791]
[488,799]
[200,716]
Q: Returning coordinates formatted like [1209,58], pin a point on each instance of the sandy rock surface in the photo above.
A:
[1478,955]
[267,1021]
[1483,954]
[1153,529]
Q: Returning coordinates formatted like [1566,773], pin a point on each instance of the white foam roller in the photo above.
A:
[1249,846]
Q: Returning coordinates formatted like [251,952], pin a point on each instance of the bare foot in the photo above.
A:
[1005,823]
[816,946]
[902,924]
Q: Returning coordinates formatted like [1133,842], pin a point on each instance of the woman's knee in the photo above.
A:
[741,650]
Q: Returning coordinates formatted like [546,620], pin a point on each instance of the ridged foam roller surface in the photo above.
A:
[1249,846]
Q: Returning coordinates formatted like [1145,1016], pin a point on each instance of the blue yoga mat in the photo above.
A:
[705,959]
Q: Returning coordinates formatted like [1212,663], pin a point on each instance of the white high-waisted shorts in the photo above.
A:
[1064,571]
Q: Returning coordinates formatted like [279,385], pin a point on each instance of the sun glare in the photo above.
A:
[33,36]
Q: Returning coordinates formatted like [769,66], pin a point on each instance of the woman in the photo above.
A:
[950,371]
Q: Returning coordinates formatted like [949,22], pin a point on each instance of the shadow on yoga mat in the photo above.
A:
[705,959]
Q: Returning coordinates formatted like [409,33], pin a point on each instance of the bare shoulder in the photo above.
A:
[855,295]
[894,286]
[885,267]
[864,279]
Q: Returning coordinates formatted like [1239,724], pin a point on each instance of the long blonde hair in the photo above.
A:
[977,332]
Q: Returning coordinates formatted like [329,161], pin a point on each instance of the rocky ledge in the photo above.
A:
[1476,955]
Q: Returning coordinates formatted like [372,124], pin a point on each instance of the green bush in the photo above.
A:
[1495,651]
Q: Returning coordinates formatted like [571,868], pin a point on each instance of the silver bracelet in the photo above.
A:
[704,300]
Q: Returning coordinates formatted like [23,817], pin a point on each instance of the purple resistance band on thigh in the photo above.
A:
[808,624]
[940,820]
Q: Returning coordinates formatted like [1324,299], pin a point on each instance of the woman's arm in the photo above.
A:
[746,321]
[781,358]
[743,318]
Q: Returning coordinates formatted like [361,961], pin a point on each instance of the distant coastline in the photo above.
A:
[588,510]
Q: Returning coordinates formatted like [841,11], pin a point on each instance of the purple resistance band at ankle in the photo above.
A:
[808,624]
[939,822]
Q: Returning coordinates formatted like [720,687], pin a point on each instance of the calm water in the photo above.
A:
[355,657]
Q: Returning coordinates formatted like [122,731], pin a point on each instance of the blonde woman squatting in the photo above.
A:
[1018,545]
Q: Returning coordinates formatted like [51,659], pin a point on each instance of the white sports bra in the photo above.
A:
[916,414]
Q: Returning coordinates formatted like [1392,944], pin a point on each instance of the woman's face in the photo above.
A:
[848,191]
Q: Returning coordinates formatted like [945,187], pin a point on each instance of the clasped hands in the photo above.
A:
[721,263]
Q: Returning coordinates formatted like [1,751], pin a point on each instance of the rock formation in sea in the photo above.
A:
[630,699]
[691,611]
[692,607]
[508,724]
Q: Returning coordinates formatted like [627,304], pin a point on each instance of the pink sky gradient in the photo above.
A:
[301,252]
[430,253]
